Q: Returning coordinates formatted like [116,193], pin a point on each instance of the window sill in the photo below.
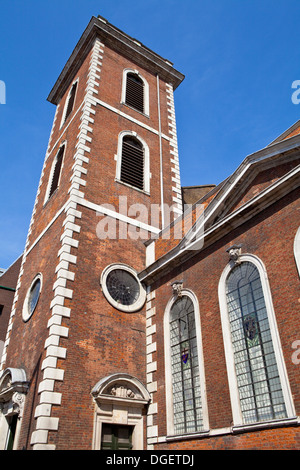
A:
[193,435]
[294,421]
[132,187]
[50,198]
[276,423]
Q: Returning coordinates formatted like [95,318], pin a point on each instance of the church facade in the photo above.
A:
[139,321]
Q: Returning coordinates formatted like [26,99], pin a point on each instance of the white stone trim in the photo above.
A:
[51,174]
[111,213]
[150,253]
[151,368]
[174,158]
[26,251]
[25,314]
[63,118]
[297,249]
[129,118]
[48,397]
[13,389]
[52,130]
[229,355]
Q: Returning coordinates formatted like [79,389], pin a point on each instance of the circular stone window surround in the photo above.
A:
[134,307]
[26,313]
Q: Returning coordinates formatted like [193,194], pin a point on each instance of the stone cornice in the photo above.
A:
[115,39]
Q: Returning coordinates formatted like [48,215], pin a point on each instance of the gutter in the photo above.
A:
[8,288]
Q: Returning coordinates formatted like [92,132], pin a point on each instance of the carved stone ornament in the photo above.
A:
[177,288]
[235,252]
[121,387]
[123,391]
[13,389]
[12,382]
[18,400]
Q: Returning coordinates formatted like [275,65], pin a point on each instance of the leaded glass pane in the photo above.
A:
[123,287]
[258,379]
[34,296]
[187,407]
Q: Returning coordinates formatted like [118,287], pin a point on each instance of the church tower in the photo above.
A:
[73,370]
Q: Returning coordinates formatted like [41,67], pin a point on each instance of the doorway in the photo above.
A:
[116,437]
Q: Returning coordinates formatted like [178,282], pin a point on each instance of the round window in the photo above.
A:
[122,288]
[32,297]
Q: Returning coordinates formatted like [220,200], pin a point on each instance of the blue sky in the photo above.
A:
[240,58]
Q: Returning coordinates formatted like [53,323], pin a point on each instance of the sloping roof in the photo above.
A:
[261,179]
[290,132]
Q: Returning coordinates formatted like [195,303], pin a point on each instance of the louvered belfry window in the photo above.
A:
[135,92]
[56,171]
[71,101]
[132,165]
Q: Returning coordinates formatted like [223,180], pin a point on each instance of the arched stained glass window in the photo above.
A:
[187,406]
[258,380]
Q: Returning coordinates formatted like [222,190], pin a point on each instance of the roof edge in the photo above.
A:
[284,135]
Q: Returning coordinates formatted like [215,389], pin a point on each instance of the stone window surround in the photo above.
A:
[238,424]
[51,174]
[146,89]
[25,314]
[63,118]
[118,158]
[13,389]
[168,375]
[124,308]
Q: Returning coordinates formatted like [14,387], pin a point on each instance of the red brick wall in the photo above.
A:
[295,132]
[8,279]
[102,340]
[101,187]
[46,211]
[270,236]
[27,339]
[271,439]
[264,179]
